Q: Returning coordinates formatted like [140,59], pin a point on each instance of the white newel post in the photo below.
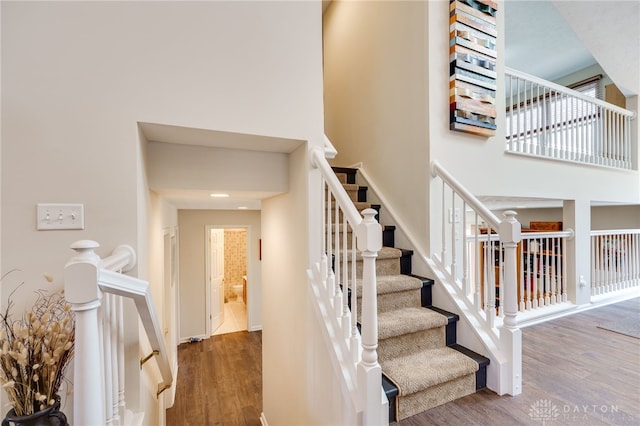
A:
[510,334]
[369,241]
[82,292]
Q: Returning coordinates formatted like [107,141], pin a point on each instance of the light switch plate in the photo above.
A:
[60,216]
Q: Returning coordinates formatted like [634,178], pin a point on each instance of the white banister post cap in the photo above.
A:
[369,232]
[81,276]
[510,229]
[85,250]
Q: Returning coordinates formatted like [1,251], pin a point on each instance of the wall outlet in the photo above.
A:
[59,216]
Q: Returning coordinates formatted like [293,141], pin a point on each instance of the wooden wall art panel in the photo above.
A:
[472,64]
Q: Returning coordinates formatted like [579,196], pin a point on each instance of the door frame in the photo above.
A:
[171,300]
[207,253]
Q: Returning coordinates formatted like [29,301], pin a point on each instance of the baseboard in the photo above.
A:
[255,328]
[133,419]
[189,339]
[263,419]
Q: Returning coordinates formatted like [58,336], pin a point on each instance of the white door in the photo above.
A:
[216,268]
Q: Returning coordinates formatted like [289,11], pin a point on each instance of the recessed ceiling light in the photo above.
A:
[218,195]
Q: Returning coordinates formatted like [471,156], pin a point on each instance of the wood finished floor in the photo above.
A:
[219,381]
[590,375]
[586,376]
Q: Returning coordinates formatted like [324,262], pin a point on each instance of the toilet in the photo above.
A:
[238,290]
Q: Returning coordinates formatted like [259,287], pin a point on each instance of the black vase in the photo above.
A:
[50,416]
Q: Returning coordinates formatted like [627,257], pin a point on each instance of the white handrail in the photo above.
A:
[329,150]
[86,277]
[353,352]
[138,290]
[342,198]
[544,119]
[567,91]
[468,197]
[472,287]
[123,259]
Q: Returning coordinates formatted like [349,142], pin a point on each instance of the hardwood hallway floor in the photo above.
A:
[219,381]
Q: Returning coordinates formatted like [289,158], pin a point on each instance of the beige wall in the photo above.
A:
[180,166]
[285,342]
[615,217]
[77,77]
[192,230]
[376,98]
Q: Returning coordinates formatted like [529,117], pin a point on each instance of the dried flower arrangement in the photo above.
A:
[35,351]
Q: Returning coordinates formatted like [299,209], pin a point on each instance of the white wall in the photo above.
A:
[77,77]
[175,166]
[286,343]
[193,281]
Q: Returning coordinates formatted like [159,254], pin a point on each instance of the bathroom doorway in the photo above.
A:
[227,278]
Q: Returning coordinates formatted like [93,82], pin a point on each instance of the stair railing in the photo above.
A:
[348,236]
[469,231]
[615,261]
[95,289]
[548,120]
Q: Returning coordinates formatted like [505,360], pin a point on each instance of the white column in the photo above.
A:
[576,215]
[82,292]
[369,242]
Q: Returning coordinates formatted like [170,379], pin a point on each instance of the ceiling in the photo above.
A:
[539,41]
[202,199]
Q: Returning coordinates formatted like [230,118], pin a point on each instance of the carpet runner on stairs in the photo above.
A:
[412,347]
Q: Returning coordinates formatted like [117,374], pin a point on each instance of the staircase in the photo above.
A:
[422,365]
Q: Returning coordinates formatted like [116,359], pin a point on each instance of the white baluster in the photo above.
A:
[108,356]
[355,335]
[346,313]
[83,294]
[121,394]
[336,261]
[115,385]
[454,275]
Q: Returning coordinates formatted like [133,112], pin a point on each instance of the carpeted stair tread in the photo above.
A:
[418,371]
[408,320]
[392,284]
[384,253]
[350,186]
[359,205]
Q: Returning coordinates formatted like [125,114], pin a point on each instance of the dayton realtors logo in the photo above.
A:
[543,411]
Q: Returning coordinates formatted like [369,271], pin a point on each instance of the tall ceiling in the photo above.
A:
[551,39]
[539,41]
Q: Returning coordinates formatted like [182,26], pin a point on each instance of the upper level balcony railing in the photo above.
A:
[548,120]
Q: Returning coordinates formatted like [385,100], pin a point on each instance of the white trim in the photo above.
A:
[263,419]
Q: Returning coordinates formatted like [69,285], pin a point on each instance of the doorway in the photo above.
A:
[226,264]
